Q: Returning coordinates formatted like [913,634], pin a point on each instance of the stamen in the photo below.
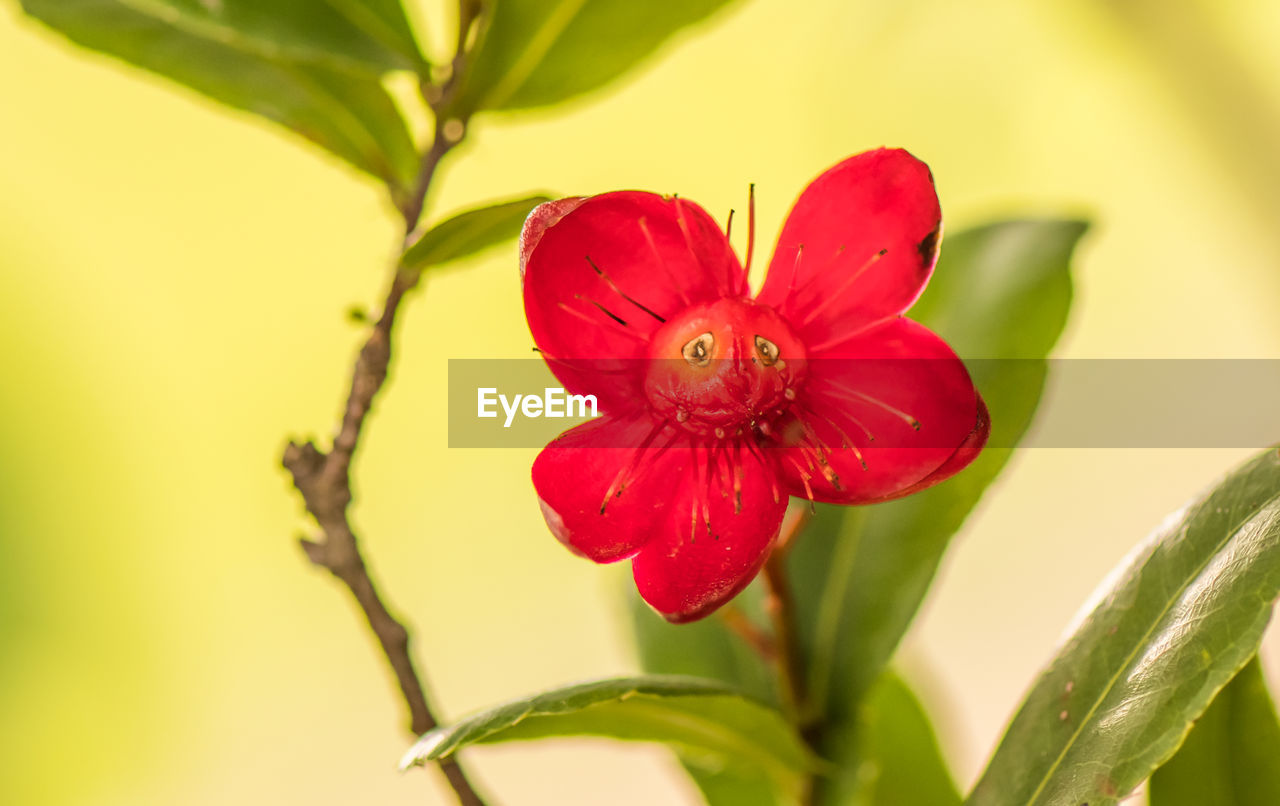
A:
[813,448]
[875,401]
[596,323]
[845,442]
[792,288]
[823,452]
[688,238]
[842,338]
[804,478]
[603,310]
[866,432]
[758,453]
[850,280]
[728,226]
[620,292]
[621,480]
[736,462]
[684,226]
[674,282]
[703,488]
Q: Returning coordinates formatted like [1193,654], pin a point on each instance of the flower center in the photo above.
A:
[724,368]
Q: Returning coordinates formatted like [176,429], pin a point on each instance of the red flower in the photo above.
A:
[717,406]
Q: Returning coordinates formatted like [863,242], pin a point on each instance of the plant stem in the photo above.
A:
[324,479]
[787,653]
[786,650]
[781,608]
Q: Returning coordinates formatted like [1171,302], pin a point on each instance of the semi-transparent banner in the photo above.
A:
[1087,403]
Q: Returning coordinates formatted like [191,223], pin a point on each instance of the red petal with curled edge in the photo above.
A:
[602,273]
[858,246]
[853,436]
[583,468]
[689,568]
[541,217]
[964,455]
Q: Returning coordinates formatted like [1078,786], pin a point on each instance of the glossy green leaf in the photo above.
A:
[711,725]
[891,756]
[469,232]
[332,97]
[1000,291]
[1174,624]
[1232,755]
[539,52]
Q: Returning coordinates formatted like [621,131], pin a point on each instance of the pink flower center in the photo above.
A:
[724,369]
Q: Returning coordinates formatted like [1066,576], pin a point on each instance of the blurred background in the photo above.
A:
[174,282]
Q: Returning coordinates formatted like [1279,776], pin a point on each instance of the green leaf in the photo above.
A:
[1172,627]
[469,232]
[733,788]
[892,757]
[539,52]
[303,65]
[999,291]
[383,21]
[349,35]
[1232,755]
[711,725]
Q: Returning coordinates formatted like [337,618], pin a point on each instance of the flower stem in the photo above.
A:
[787,654]
[323,478]
[780,605]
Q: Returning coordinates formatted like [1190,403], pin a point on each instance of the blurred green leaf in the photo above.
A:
[736,788]
[1173,625]
[469,232]
[711,725]
[1232,755]
[382,20]
[539,52]
[366,36]
[859,574]
[306,65]
[891,756]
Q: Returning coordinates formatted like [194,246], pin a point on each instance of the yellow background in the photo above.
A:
[173,284]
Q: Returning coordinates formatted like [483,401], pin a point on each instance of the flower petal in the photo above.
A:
[602,273]
[714,537]
[887,412]
[541,217]
[858,246]
[964,455]
[589,502]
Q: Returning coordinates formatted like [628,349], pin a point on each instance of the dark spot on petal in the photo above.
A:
[928,248]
